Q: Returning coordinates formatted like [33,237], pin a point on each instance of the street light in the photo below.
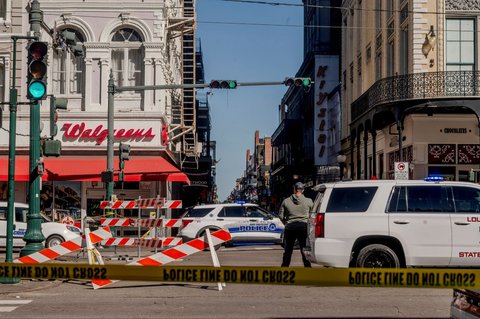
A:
[341,158]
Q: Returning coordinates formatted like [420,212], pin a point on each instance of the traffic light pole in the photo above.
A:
[110,138]
[11,160]
[34,237]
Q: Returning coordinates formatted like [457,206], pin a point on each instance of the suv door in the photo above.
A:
[465,226]
[419,216]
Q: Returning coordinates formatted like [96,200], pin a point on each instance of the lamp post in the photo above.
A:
[341,158]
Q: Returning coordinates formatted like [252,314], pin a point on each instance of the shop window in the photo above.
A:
[58,199]
[126,185]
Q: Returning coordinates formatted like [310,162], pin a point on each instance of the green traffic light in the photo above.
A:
[307,82]
[232,84]
[37,90]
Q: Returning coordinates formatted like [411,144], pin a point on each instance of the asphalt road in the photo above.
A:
[167,300]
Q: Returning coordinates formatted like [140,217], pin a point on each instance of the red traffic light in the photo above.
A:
[215,84]
[38,50]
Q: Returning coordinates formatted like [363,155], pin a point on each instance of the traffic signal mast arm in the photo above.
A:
[199,86]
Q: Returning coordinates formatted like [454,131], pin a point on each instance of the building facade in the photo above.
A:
[410,88]
[138,44]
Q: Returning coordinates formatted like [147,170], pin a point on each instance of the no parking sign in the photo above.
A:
[401,170]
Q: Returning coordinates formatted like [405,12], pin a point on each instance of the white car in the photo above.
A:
[245,222]
[395,223]
[54,233]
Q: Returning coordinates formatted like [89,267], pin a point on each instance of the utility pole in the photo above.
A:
[34,236]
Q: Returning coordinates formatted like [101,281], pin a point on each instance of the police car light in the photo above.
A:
[434,179]
[241,201]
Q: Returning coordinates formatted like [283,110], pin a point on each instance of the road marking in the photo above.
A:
[11,308]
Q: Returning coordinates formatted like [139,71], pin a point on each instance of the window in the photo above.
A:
[234,211]
[378,15]
[460,45]
[127,57]
[467,199]
[390,58]
[198,212]
[403,51]
[256,212]
[426,199]
[21,214]
[378,66]
[67,74]
[350,199]
[2,83]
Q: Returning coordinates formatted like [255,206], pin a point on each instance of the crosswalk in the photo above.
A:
[11,305]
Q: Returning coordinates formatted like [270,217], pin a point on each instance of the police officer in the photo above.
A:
[294,213]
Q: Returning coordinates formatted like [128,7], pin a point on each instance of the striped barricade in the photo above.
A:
[159,242]
[141,203]
[167,256]
[64,248]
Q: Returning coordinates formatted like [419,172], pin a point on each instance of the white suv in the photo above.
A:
[245,222]
[395,224]
[54,233]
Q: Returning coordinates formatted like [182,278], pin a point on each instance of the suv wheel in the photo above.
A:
[377,256]
[53,240]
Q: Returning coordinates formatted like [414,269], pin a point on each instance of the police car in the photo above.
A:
[245,222]
[54,233]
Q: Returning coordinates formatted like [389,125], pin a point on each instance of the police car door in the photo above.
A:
[262,226]
[233,219]
[465,219]
[19,230]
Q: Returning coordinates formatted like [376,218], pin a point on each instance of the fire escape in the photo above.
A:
[183,115]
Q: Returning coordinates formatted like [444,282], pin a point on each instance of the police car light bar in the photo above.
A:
[434,179]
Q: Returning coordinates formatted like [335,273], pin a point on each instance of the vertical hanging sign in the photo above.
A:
[326,79]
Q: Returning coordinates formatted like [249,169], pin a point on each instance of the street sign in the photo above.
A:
[401,170]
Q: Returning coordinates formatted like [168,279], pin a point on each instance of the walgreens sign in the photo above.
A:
[80,131]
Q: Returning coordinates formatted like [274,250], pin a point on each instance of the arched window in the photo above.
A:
[67,74]
[127,57]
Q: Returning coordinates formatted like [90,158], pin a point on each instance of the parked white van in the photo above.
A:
[54,233]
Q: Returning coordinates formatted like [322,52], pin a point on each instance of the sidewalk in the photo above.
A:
[27,285]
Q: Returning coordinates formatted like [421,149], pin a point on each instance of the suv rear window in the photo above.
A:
[198,212]
[350,199]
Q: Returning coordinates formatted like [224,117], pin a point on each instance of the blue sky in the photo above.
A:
[249,43]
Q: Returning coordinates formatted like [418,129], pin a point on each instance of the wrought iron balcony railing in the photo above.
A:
[429,85]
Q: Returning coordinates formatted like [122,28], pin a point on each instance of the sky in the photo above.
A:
[247,42]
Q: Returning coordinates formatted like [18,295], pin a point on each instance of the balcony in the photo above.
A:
[447,85]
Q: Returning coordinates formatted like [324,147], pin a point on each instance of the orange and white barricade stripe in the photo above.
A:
[175,253]
[126,222]
[64,248]
[119,241]
[141,203]
[118,222]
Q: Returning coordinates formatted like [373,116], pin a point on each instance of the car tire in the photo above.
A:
[54,240]
[377,256]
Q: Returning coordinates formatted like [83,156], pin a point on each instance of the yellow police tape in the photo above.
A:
[344,277]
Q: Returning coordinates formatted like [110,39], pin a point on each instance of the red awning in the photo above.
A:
[89,168]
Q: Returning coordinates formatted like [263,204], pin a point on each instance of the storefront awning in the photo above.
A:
[89,168]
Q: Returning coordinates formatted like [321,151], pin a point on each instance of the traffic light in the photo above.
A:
[71,40]
[223,84]
[56,104]
[124,154]
[303,82]
[37,70]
